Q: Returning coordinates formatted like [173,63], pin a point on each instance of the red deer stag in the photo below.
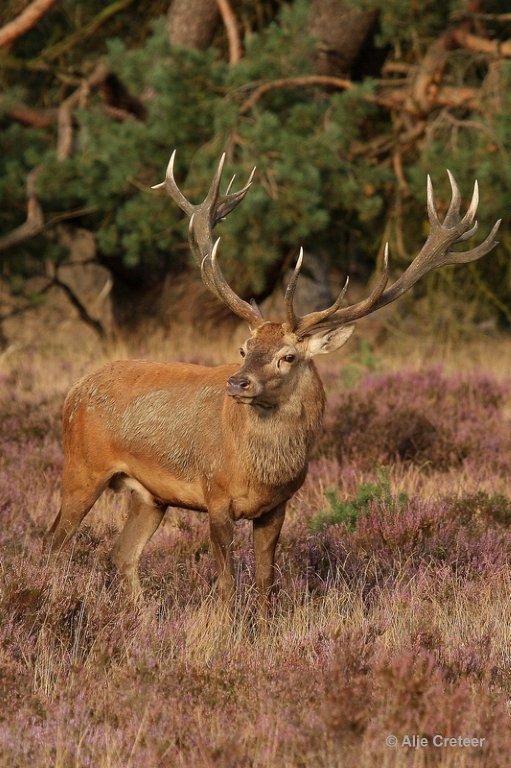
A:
[233,440]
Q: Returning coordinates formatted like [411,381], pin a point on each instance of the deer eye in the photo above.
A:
[242,352]
[289,358]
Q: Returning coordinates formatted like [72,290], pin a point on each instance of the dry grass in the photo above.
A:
[398,623]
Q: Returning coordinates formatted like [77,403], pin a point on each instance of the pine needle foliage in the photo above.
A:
[319,182]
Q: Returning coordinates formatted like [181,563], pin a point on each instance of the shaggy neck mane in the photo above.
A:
[276,442]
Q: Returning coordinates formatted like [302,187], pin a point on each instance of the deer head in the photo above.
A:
[276,354]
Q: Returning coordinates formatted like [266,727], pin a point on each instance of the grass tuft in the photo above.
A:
[392,615]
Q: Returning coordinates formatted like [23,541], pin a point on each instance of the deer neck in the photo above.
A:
[274,444]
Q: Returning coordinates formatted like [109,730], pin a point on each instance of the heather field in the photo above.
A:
[393,615]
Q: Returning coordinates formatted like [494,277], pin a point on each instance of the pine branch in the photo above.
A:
[37,118]
[294,82]
[231,28]
[25,21]
[88,30]
[65,113]
[477,44]
[389,98]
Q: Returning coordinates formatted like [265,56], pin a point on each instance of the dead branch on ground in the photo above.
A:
[34,222]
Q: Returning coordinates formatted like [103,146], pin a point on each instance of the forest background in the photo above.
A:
[343,106]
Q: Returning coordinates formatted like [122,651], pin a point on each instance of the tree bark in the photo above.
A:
[25,21]
[231,28]
[342,32]
[192,23]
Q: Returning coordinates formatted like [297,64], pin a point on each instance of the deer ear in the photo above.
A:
[328,340]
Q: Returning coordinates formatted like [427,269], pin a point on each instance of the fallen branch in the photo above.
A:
[449,96]
[389,98]
[37,118]
[80,307]
[25,21]
[477,44]
[65,112]
[44,118]
[396,67]
[295,82]
[55,282]
[500,17]
[231,28]
[430,70]
[117,114]
[22,65]
[34,222]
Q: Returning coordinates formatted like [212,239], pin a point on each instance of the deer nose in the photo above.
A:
[240,384]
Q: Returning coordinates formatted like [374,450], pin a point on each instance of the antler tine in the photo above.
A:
[237,305]
[316,319]
[231,200]
[194,245]
[255,307]
[202,260]
[469,217]
[214,190]
[292,319]
[432,214]
[436,252]
[230,184]
[364,307]
[464,257]
[453,212]
[468,234]
[203,218]
[334,316]
[171,187]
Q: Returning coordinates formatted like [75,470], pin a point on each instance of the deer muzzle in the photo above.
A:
[243,387]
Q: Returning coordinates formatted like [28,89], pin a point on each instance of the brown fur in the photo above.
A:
[172,434]
[234,442]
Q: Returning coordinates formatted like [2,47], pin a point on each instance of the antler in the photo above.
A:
[203,218]
[436,252]
[302,325]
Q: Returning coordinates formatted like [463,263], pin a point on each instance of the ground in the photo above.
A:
[392,617]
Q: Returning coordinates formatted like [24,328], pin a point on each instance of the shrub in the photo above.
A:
[384,540]
[348,512]
[423,418]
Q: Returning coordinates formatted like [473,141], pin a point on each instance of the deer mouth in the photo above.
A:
[246,399]
[256,402]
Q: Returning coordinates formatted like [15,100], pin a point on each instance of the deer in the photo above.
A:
[233,441]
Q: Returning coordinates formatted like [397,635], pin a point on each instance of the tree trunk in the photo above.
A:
[192,23]
[342,32]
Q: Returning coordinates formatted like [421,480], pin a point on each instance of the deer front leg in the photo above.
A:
[266,532]
[221,529]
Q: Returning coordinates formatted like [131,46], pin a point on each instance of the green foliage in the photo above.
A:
[347,513]
[490,508]
[399,17]
[318,183]
[361,362]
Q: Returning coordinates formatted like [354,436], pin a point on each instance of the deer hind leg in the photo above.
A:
[143,521]
[80,491]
